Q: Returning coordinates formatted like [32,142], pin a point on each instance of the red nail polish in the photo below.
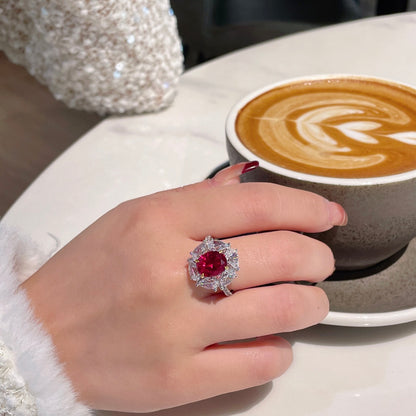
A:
[250,166]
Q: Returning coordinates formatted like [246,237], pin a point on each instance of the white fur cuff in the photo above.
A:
[31,379]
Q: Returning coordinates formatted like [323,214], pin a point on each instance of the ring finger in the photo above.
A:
[280,256]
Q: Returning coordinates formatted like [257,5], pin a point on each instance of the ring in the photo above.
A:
[213,265]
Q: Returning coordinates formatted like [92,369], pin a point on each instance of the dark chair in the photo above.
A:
[391,6]
[210,28]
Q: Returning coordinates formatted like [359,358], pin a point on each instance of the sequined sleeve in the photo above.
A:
[107,56]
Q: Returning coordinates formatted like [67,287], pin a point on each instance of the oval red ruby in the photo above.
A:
[211,263]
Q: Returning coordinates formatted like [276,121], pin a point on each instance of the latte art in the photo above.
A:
[358,120]
[341,128]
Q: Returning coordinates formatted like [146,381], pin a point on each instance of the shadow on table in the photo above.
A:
[225,405]
[329,335]
[325,335]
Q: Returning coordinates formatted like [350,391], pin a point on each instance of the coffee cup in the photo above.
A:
[349,138]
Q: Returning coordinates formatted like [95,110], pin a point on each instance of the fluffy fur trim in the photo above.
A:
[27,343]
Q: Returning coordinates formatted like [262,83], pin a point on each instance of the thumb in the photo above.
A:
[231,175]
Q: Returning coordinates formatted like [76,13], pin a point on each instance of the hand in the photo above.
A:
[132,330]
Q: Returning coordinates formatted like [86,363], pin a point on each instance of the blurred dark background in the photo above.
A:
[35,128]
[210,28]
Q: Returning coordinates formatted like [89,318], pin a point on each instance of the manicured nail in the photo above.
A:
[250,166]
[337,214]
[231,175]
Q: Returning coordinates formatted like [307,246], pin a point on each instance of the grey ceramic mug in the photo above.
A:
[381,210]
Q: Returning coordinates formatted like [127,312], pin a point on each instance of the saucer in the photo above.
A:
[384,298]
[387,297]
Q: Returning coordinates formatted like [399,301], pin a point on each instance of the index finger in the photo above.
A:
[224,211]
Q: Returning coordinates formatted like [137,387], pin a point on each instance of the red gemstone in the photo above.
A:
[212,263]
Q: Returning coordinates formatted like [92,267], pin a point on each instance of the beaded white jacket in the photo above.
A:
[108,56]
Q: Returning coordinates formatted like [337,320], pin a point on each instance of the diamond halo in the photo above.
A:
[213,265]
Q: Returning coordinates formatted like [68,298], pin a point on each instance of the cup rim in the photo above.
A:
[306,177]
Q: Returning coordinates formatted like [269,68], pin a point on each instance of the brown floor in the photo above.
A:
[34,130]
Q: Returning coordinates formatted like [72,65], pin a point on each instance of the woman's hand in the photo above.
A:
[132,330]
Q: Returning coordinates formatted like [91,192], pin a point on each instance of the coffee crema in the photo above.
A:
[337,127]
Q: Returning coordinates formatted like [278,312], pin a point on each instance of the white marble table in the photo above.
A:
[337,370]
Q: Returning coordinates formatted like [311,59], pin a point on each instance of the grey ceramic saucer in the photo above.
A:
[384,298]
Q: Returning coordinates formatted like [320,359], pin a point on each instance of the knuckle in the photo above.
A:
[322,304]
[319,210]
[327,261]
[266,364]
[264,370]
[302,258]
[149,211]
[156,287]
[293,310]
[259,207]
[304,306]
[320,263]
[289,258]
[289,312]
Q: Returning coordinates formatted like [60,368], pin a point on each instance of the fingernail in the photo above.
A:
[232,174]
[250,166]
[337,214]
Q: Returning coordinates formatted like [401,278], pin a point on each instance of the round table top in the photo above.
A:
[337,370]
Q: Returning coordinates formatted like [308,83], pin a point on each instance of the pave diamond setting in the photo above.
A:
[213,265]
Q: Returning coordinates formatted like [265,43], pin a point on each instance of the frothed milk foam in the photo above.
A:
[347,128]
